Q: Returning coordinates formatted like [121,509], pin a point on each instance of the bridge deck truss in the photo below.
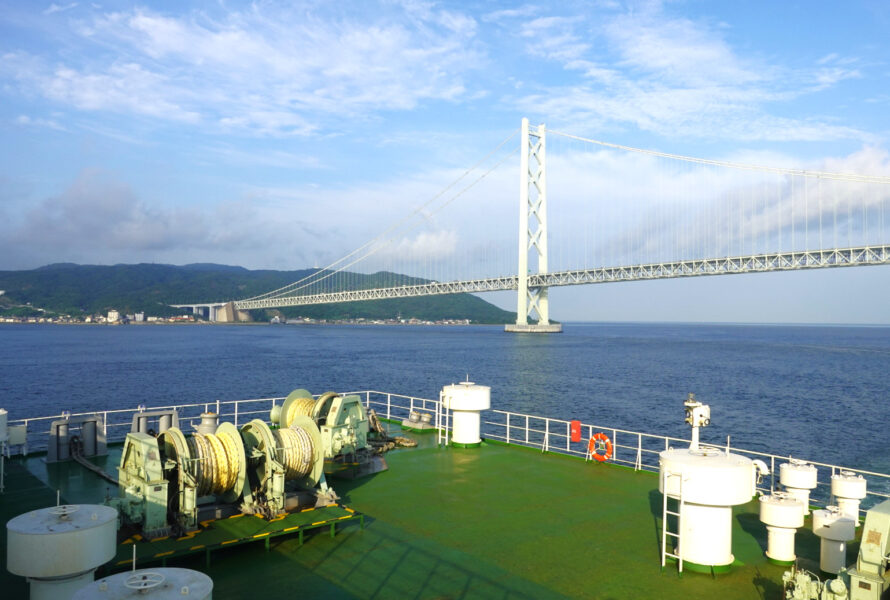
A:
[756,263]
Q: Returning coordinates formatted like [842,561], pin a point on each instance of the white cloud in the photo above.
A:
[98,219]
[56,8]
[674,77]
[603,212]
[121,88]
[423,246]
[554,38]
[27,121]
[833,69]
[268,70]
[497,16]
[678,51]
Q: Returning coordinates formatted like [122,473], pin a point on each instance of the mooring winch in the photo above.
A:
[174,481]
[344,427]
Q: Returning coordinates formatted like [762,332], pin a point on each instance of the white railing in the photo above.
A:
[632,449]
[117,423]
[397,407]
[640,451]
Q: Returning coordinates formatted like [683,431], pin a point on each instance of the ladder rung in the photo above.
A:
[670,533]
[670,512]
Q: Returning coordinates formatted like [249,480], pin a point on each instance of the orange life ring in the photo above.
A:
[600,441]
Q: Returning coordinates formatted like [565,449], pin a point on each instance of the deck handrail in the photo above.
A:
[534,431]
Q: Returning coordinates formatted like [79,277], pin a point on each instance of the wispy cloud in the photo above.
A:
[527,10]
[674,76]
[122,87]
[57,8]
[832,69]
[555,38]
[27,121]
[267,70]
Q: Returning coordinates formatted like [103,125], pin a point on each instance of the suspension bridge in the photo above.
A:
[623,214]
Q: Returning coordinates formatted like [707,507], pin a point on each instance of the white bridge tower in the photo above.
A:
[533,232]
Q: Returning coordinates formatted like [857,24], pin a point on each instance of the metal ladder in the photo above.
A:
[443,421]
[665,513]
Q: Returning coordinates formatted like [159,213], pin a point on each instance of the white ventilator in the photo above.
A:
[466,401]
[799,478]
[836,530]
[59,548]
[782,514]
[848,490]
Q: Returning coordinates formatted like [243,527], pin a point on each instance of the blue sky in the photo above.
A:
[282,135]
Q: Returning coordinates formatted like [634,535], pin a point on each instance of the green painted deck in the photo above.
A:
[235,530]
[497,522]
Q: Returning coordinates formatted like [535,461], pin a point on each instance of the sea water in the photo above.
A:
[820,393]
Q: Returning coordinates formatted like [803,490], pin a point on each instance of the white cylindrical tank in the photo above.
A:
[782,514]
[466,400]
[4,427]
[154,584]
[711,482]
[799,477]
[848,488]
[836,530]
[59,548]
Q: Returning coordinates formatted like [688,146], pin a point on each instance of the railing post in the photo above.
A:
[236,412]
[614,445]
[546,444]
[368,399]
[411,405]
[438,418]
[526,429]
[568,438]
[217,407]
[388,404]
[639,465]
[105,425]
[508,428]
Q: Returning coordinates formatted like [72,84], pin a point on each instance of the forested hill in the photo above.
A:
[150,288]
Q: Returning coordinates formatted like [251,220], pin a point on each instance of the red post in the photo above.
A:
[576,431]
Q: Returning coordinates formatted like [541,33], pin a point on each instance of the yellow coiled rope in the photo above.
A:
[295,451]
[215,463]
[301,407]
[220,464]
[232,460]
[202,470]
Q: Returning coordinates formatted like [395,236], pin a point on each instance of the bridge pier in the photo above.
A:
[210,311]
[532,233]
[533,328]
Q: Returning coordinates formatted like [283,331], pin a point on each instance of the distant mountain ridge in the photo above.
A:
[68,288]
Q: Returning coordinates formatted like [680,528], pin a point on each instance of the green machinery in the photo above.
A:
[344,427]
[868,580]
[172,482]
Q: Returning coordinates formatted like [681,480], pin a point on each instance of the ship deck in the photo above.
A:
[498,521]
